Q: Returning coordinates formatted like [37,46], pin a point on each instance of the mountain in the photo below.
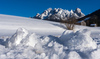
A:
[93,18]
[59,14]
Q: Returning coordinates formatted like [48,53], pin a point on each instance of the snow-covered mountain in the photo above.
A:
[59,14]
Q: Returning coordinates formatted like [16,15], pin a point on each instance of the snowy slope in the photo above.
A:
[9,24]
[39,39]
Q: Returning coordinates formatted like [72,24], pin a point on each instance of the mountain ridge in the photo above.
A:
[58,14]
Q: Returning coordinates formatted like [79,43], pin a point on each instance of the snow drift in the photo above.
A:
[30,45]
[80,40]
[17,37]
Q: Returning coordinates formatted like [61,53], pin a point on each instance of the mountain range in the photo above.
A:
[59,14]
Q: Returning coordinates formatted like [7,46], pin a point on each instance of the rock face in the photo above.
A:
[59,14]
[78,12]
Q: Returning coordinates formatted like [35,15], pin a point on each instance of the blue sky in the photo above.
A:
[28,8]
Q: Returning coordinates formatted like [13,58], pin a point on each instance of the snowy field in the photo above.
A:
[26,38]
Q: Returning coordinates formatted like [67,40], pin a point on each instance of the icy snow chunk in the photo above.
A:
[95,54]
[45,40]
[43,55]
[20,34]
[50,44]
[32,40]
[79,40]
[74,55]
[3,49]
[55,56]
[3,56]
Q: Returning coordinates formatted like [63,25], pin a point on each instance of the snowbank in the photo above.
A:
[16,39]
[27,45]
[74,55]
[80,40]
[95,54]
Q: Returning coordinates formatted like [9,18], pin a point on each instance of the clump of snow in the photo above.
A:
[95,54]
[79,40]
[32,40]
[73,55]
[16,39]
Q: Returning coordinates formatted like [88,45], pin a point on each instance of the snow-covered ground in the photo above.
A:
[9,25]
[26,38]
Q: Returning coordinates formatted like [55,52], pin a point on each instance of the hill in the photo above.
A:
[93,18]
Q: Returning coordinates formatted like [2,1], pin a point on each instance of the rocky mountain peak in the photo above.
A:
[58,14]
[78,10]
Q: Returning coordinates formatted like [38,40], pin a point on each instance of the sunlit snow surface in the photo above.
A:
[25,38]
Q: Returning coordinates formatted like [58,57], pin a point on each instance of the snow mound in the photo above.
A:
[95,54]
[32,40]
[24,38]
[24,44]
[80,40]
[16,39]
[73,55]
[70,45]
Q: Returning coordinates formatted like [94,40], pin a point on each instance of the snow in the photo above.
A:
[9,25]
[18,36]
[74,55]
[87,18]
[95,54]
[25,38]
[78,10]
[85,42]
